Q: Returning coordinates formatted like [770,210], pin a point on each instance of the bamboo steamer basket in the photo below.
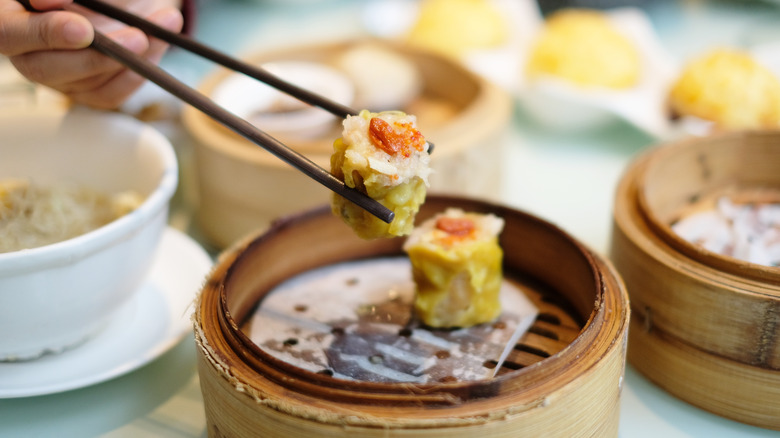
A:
[563,379]
[462,113]
[705,327]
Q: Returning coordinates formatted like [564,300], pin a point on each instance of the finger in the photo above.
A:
[104,83]
[116,90]
[111,92]
[170,19]
[23,32]
[74,68]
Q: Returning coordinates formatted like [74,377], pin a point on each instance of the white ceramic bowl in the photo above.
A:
[57,296]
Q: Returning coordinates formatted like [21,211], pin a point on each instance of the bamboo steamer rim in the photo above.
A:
[631,219]
[229,350]
[703,333]
[459,133]
[672,303]
[661,158]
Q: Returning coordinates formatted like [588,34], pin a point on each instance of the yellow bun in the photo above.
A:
[454,27]
[729,88]
[583,47]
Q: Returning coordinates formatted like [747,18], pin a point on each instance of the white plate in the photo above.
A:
[155,320]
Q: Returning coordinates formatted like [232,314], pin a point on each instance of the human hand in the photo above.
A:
[50,47]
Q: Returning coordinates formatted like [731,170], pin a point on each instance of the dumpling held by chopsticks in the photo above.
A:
[384,156]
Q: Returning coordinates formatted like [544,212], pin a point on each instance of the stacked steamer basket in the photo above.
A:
[705,327]
[463,114]
[562,379]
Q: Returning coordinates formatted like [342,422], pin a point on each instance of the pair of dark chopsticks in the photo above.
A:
[177,88]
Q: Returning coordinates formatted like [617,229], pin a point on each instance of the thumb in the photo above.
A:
[22,32]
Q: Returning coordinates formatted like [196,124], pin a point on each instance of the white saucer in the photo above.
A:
[154,321]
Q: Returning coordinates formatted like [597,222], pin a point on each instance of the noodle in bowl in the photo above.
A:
[55,296]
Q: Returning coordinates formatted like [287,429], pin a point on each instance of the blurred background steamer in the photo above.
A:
[704,323]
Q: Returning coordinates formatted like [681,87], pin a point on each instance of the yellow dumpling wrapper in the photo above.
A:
[458,276]
[729,88]
[393,170]
[583,47]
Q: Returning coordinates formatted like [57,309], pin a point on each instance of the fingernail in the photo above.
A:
[170,19]
[76,33]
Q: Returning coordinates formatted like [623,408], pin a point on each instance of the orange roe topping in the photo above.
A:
[457,227]
[398,138]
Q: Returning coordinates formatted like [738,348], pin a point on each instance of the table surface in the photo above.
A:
[567,178]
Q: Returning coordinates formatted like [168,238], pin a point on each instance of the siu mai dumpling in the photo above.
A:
[456,266]
[384,156]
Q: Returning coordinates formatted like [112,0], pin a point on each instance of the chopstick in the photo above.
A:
[155,74]
[198,48]
[220,58]
[108,47]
